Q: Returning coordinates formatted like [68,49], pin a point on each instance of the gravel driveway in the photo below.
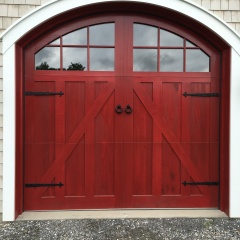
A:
[163,228]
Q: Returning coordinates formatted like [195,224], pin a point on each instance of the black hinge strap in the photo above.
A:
[201,94]
[201,183]
[44,93]
[35,185]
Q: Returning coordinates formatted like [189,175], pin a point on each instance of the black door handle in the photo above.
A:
[128,109]
[118,109]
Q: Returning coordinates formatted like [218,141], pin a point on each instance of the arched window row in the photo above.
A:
[92,48]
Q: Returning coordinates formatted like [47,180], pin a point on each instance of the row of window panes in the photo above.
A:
[170,60]
[147,41]
[101,59]
[147,36]
[101,34]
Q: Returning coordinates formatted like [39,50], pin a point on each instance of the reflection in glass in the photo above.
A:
[102,59]
[170,40]
[171,60]
[145,60]
[144,35]
[189,44]
[56,42]
[74,58]
[78,37]
[102,34]
[197,61]
[48,59]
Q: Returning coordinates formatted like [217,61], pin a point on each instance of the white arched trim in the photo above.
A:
[55,7]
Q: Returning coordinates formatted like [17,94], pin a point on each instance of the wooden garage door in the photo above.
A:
[121,112]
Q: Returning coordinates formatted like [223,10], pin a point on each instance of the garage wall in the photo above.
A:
[12,10]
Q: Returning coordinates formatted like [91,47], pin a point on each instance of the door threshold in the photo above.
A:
[118,214]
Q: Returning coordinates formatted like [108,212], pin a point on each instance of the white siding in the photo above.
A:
[1,121]
[10,11]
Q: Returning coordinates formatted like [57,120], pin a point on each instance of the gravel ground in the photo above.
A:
[174,228]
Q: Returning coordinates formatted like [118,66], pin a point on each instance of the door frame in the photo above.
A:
[13,83]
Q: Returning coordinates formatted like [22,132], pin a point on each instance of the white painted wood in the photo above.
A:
[9,135]
[235,136]
[55,7]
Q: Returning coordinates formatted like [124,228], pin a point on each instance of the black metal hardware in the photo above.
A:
[118,109]
[201,94]
[128,109]
[44,93]
[35,185]
[201,183]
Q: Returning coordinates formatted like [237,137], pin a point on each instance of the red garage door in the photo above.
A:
[121,112]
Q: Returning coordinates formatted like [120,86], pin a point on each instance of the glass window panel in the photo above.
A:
[145,60]
[56,42]
[78,37]
[102,59]
[74,59]
[171,60]
[48,59]
[189,44]
[102,34]
[170,40]
[197,61]
[144,35]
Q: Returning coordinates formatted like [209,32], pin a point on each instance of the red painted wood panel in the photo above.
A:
[171,165]
[143,148]
[110,160]
[74,106]
[104,141]
[75,171]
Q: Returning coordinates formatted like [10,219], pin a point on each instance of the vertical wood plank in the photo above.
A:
[171,112]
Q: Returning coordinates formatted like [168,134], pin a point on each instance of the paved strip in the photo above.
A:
[123,229]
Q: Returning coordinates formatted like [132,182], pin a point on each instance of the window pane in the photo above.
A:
[102,34]
[102,59]
[78,37]
[170,40]
[189,44]
[144,35]
[197,61]
[57,42]
[171,60]
[75,59]
[145,60]
[48,59]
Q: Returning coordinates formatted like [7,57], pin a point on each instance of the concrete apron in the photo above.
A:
[117,214]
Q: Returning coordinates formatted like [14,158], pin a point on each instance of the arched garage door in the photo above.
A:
[121,112]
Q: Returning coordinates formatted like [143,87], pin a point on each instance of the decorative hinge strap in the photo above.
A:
[201,183]
[44,93]
[201,94]
[35,185]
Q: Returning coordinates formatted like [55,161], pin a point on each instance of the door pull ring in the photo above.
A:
[128,109]
[119,109]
